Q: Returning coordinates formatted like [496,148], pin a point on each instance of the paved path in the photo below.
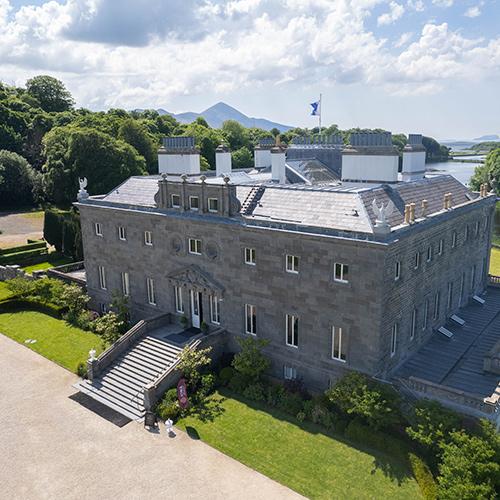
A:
[53,448]
[17,227]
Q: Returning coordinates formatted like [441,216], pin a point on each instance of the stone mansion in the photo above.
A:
[354,264]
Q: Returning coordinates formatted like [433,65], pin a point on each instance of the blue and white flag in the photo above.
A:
[316,108]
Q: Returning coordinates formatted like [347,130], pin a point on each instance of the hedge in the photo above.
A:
[62,229]
[423,476]
[14,305]
[24,257]
[22,248]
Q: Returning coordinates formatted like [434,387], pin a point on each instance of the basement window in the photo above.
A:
[194,203]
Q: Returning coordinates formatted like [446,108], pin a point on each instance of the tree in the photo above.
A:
[242,158]
[50,93]
[250,361]
[434,151]
[375,403]
[109,327]
[134,133]
[72,153]
[18,181]
[489,172]
[191,361]
[236,134]
[468,469]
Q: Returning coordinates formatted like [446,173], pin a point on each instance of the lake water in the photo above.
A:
[462,171]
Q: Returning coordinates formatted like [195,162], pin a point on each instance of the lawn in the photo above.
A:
[53,260]
[495,261]
[55,339]
[300,456]
[4,291]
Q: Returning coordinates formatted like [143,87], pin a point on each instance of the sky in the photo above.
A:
[410,66]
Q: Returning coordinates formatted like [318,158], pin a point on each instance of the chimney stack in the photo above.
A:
[407,214]
[178,156]
[412,213]
[425,206]
[278,162]
[413,159]
[222,160]
[262,153]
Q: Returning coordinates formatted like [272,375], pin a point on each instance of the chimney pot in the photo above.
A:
[425,205]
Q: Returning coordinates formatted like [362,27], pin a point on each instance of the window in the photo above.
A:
[477,228]
[122,234]
[466,232]
[250,319]
[413,324]
[472,279]
[213,205]
[429,254]
[179,303]
[417,260]
[151,291]
[454,239]
[462,286]
[176,200]
[148,238]
[98,229]
[102,277]
[103,308]
[214,310]
[341,273]
[125,284]
[394,339]
[292,264]
[250,256]
[292,330]
[289,373]
[441,247]
[194,203]
[437,299]
[426,315]
[450,295]
[194,246]
[338,344]
[397,270]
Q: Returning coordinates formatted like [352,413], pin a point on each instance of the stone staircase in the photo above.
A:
[251,200]
[121,385]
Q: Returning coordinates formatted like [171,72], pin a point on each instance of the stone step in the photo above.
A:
[126,391]
[126,379]
[141,378]
[160,345]
[139,360]
[131,413]
[149,358]
[127,401]
[155,352]
[138,367]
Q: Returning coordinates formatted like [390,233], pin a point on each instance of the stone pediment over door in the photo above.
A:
[194,278]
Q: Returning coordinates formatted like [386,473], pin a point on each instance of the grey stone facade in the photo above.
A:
[366,308]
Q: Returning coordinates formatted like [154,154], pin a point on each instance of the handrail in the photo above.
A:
[120,341]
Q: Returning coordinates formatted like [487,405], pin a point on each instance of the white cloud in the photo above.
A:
[253,44]
[396,11]
[417,5]
[443,3]
[473,11]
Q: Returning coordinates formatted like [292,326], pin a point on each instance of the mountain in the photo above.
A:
[484,138]
[217,114]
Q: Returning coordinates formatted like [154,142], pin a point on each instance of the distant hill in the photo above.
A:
[217,114]
[488,138]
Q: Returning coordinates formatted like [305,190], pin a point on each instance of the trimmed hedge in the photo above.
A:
[62,230]
[15,305]
[22,248]
[423,476]
[23,257]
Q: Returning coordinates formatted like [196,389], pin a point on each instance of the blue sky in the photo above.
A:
[430,66]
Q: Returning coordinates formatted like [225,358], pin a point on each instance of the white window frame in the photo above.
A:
[289,372]
[340,276]
[397,270]
[173,197]
[437,304]
[472,279]
[394,339]
[98,229]
[449,301]
[292,321]
[426,315]
[179,301]
[191,207]
[454,239]
[417,260]
[103,308]
[148,238]
[441,247]
[429,253]
[213,210]
[197,246]
[102,277]
[462,288]
[477,229]
[214,310]
[125,284]
[250,319]
[337,333]
[250,256]
[413,324]
[292,264]
[122,233]
[150,285]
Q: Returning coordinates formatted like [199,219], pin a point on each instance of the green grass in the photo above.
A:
[495,261]
[55,339]
[4,291]
[299,456]
[55,259]
[36,214]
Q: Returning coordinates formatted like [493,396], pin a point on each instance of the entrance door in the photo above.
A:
[195,309]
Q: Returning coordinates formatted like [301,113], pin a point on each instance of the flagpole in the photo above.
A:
[320,111]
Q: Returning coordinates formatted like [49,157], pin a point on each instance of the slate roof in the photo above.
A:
[330,206]
[457,362]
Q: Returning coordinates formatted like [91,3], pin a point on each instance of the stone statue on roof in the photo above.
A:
[382,213]
[82,193]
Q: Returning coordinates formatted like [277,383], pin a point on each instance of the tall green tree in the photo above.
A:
[489,172]
[50,92]
[73,152]
[134,133]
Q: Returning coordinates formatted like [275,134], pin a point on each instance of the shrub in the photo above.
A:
[108,327]
[170,396]
[166,410]
[291,403]
[225,375]
[207,386]
[255,392]
[238,383]
[423,476]
[376,403]
[250,361]
[191,361]
[319,414]
[301,416]
[81,370]
[275,393]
